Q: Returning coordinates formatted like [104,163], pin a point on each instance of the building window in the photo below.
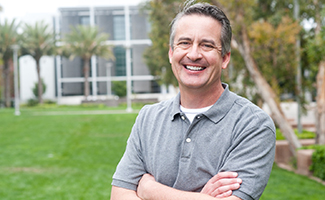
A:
[74,89]
[84,20]
[120,62]
[119,27]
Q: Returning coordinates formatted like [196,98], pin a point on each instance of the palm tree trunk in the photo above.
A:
[40,83]
[86,74]
[320,112]
[7,81]
[266,92]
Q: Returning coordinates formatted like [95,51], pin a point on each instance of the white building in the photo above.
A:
[128,28]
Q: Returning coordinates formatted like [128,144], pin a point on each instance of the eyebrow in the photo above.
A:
[208,41]
[203,41]
[184,38]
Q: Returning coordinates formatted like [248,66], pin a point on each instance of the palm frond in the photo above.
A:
[86,41]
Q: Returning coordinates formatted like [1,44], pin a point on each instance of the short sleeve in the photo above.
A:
[131,167]
[252,156]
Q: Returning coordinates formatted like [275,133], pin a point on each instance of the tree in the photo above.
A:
[37,41]
[315,52]
[161,12]
[8,37]
[242,16]
[85,42]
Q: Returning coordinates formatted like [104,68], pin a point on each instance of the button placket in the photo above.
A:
[188,145]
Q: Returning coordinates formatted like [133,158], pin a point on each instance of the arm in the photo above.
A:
[222,184]
[118,193]
[150,189]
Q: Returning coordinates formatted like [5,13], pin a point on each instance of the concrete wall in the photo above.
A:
[28,77]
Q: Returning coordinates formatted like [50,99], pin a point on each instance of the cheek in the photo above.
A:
[177,55]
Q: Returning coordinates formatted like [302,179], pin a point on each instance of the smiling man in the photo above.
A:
[207,142]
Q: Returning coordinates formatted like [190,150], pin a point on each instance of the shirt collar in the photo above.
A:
[219,110]
[175,106]
[216,112]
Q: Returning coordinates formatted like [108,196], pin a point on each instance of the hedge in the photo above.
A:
[318,162]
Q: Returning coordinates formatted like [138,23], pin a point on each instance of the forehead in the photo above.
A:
[198,26]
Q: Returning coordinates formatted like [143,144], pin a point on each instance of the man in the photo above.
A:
[195,145]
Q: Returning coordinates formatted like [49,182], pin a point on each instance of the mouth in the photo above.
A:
[194,68]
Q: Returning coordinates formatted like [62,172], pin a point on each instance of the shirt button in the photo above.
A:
[183,118]
[198,117]
[188,140]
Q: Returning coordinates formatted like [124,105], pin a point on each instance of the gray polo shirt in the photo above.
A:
[233,135]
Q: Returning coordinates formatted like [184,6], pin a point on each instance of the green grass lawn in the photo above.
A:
[74,157]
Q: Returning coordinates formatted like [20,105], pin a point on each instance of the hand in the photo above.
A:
[222,184]
[143,183]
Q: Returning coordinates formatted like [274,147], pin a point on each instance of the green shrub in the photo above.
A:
[35,88]
[304,135]
[32,102]
[318,162]
[119,88]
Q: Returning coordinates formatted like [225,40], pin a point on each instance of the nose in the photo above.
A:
[194,53]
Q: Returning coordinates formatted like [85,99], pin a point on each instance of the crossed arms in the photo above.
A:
[218,187]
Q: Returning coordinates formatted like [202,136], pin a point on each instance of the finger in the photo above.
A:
[226,182]
[225,194]
[222,175]
[224,190]
[221,186]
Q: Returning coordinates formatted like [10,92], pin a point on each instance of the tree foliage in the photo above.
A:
[315,50]
[8,37]
[272,48]
[38,40]
[161,13]
[272,32]
[85,42]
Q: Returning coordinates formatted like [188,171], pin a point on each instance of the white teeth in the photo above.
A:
[194,68]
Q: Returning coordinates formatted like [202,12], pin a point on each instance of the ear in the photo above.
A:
[225,60]
[170,54]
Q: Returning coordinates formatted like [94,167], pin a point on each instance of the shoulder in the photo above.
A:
[157,107]
[162,109]
[250,113]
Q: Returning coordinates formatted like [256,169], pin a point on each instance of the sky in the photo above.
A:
[27,10]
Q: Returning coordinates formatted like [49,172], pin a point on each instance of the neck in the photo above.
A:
[195,98]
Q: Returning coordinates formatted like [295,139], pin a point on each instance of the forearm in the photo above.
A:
[153,190]
[118,193]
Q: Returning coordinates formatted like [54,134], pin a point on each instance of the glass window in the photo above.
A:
[74,89]
[120,62]
[85,20]
[119,27]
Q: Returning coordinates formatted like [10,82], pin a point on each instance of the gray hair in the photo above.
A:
[206,10]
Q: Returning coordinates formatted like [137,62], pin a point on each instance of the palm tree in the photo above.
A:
[37,41]
[8,37]
[85,42]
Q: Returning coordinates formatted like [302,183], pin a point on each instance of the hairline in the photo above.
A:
[225,29]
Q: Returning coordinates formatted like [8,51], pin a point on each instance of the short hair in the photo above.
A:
[209,10]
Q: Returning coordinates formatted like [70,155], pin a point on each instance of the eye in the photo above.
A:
[207,46]
[184,44]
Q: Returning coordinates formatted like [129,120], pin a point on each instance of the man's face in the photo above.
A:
[196,58]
